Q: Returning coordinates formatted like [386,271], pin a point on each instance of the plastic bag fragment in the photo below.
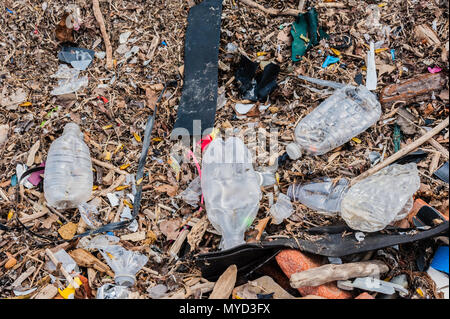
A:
[282,209]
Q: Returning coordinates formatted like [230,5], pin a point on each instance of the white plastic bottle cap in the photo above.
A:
[293,150]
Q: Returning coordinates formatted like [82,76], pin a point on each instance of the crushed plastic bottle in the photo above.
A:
[68,177]
[124,263]
[347,113]
[110,291]
[230,189]
[376,201]
[282,209]
[325,196]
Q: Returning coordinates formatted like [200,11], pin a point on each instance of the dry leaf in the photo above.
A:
[170,228]
[32,153]
[169,189]
[196,234]
[151,97]
[225,284]
[68,230]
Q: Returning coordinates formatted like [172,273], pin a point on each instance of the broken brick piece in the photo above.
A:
[365,295]
[292,261]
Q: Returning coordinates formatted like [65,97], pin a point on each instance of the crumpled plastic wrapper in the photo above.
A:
[373,203]
[109,291]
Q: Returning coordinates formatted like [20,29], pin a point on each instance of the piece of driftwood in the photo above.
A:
[331,272]
[407,149]
[225,284]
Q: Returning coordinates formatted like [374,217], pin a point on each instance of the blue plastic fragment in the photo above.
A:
[164,43]
[9,11]
[393,54]
[110,233]
[330,60]
[14,180]
[440,259]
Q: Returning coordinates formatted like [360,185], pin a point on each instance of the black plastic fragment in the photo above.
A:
[256,86]
[201,57]
[414,157]
[249,257]
[442,172]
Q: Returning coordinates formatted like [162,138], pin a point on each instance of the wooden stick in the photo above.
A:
[271,11]
[63,271]
[99,17]
[108,166]
[407,149]
[328,273]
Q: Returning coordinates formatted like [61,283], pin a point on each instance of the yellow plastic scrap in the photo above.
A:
[336,52]
[26,104]
[381,5]
[107,126]
[156,139]
[139,181]
[277,178]
[107,156]
[124,166]
[10,214]
[94,187]
[137,137]
[420,292]
[304,38]
[380,50]
[127,203]
[261,53]
[69,291]
[119,188]
[357,140]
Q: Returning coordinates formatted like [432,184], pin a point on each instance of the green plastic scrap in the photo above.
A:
[305,34]
[397,137]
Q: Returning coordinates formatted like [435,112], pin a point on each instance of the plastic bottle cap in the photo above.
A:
[293,150]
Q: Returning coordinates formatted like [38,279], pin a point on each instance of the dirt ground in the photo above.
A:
[112,112]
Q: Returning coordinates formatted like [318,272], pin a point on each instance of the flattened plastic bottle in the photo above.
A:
[230,188]
[345,114]
[68,175]
[376,201]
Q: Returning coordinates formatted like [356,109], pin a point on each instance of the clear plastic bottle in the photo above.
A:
[345,114]
[230,188]
[322,196]
[68,175]
[376,201]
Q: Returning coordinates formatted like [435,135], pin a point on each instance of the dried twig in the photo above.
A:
[99,17]
[271,11]
[407,149]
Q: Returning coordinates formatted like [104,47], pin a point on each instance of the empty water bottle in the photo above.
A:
[230,188]
[322,196]
[345,114]
[68,175]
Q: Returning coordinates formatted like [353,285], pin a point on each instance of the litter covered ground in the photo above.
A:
[344,200]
